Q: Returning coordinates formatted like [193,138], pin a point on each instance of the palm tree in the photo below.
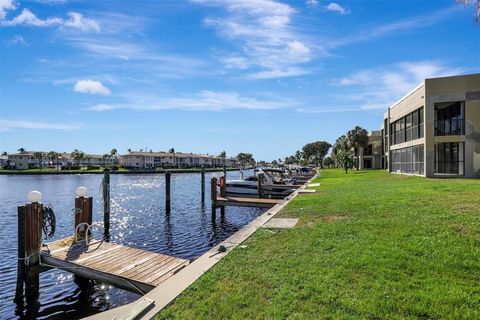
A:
[358,138]
[129,150]
[342,153]
[298,156]
[51,156]
[21,150]
[78,155]
[39,157]
[113,155]
[172,150]
[223,156]
[4,153]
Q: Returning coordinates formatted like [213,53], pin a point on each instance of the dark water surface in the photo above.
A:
[138,219]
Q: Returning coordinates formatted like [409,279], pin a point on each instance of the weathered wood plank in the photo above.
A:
[124,267]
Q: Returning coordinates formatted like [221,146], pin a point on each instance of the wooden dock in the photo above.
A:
[247,202]
[124,267]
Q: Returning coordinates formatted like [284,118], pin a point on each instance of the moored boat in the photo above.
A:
[274,184]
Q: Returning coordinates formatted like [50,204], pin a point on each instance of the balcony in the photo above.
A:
[450,127]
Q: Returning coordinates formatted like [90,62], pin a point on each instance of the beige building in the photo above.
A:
[434,131]
[151,160]
[27,160]
[372,156]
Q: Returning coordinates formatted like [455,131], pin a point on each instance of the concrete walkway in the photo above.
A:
[167,291]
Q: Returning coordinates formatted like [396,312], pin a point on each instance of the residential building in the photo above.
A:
[151,160]
[28,160]
[3,160]
[434,131]
[373,156]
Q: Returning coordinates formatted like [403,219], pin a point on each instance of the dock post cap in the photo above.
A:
[34,196]
[81,192]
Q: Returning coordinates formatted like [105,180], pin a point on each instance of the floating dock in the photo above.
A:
[124,267]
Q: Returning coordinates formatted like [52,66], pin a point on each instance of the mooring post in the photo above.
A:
[241,173]
[223,187]
[21,274]
[30,221]
[213,192]
[83,210]
[203,183]
[225,171]
[106,202]
[259,185]
[167,190]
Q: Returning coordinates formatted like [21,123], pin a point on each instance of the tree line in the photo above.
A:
[345,153]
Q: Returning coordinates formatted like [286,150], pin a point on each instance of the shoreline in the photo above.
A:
[163,171]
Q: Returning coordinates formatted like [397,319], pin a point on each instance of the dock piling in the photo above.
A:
[259,185]
[167,191]
[223,187]
[203,184]
[30,221]
[83,209]
[106,202]
[213,192]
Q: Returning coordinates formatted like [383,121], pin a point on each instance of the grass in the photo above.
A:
[368,245]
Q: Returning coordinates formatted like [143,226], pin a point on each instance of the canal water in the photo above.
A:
[138,219]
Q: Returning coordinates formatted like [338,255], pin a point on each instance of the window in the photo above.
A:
[407,128]
[420,122]
[415,132]
[449,158]
[368,150]
[450,118]
[408,160]
[367,163]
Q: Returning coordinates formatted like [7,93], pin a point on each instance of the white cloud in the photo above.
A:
[27,124]
[278,73]
[17,40]
[76,21]
[311,3]
[6,5]
[235,63]
[378,88]
[92,87]
[30,19]
[417,22]
[202,101]
[299,48]
[263,32]
[335,7]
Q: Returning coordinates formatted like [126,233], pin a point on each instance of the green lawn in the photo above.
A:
[369,245]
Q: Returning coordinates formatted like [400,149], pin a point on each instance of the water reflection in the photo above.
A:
[139,218]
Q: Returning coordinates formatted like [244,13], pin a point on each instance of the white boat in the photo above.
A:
[248,187]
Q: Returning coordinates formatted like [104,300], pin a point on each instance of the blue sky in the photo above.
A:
[209,75]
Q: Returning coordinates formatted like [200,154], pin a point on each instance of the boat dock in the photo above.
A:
[128,268]
[247,202]
[124,267]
